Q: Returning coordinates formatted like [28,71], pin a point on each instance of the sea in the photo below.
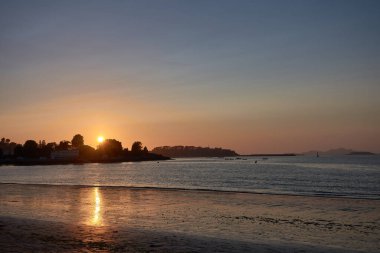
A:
[332,176]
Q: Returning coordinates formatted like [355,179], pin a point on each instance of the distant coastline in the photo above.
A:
[338,151]
[281,154]
[361,153]
[112,151]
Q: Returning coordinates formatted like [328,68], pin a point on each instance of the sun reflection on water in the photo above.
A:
[96,218]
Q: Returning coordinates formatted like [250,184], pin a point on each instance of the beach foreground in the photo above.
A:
[43,218]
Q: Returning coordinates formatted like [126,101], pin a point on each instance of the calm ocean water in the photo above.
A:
[343,176]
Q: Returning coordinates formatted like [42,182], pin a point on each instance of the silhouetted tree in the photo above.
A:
[110,148]
[63,145]
[41,144]
[77,141]
[30,148]
[136,147]
[145,150]
[3,140]
[87,152]
[19,150]
[7,141]
[46,149]
[51,146]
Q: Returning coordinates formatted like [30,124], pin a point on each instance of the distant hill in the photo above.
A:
[337,151]
[361,153]
[272,154]
[191,151]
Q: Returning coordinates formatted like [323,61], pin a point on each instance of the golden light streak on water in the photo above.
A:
[97,218]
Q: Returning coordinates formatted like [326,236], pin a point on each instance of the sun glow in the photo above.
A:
[100,139]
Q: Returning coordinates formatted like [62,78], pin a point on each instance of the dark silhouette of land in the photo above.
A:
[338,151]
[361,153]
[272,154]
[191,151]
[72,152]
[112,151]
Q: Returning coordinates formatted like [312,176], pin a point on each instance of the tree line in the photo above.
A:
[109,148]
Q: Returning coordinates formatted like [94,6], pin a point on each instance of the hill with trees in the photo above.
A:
[191,151]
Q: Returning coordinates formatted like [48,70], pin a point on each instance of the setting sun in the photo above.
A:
[100,139]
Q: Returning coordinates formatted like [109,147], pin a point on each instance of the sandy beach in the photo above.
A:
[42,218]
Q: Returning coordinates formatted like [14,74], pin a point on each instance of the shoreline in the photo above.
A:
[23,235]
[167,219]
[194,190]
[46,162]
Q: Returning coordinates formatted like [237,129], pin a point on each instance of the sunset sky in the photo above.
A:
[253,76]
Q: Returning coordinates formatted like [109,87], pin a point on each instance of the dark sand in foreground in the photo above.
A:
[116,219]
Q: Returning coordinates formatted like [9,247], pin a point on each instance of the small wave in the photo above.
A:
[215,190]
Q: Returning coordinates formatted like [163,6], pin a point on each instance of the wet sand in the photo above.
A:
[117,219]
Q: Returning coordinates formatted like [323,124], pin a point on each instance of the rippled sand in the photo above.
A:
[72,218]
